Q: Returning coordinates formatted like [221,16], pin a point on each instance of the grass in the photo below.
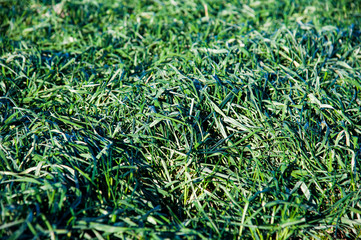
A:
[180,119]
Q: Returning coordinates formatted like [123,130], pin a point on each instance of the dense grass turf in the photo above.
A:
[180,119]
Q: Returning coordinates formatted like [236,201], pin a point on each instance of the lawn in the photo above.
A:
[180,119]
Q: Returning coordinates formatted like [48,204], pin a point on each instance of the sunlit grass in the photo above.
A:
[180,119]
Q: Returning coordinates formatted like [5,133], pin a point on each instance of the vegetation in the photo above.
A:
[180,119]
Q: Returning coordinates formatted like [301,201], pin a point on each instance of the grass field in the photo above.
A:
[180,119]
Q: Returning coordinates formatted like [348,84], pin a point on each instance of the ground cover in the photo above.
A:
[180,119]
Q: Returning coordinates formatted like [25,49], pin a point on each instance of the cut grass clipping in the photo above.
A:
[180,119]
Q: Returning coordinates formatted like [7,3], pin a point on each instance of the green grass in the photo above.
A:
[180,119]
